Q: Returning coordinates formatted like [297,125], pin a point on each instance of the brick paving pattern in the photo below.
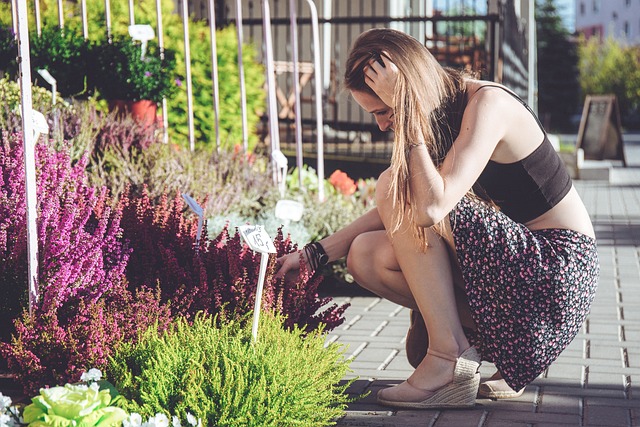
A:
[594,382]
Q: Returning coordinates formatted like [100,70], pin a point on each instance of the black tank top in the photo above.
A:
[530,187]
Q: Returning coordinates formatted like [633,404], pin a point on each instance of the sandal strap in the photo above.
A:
[442,355]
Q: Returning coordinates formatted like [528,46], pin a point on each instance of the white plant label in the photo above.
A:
[257,238]
[198,211]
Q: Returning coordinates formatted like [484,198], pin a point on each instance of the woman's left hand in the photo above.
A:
[381,77]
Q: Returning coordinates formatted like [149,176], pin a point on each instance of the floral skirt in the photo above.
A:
[529,291]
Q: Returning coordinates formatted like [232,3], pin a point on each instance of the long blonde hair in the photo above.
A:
[428,105]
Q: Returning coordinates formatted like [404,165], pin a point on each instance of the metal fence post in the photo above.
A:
[28,136]
[318,94]
[293,16]
[274,133]
[187,62]
[243,94]
[214,70]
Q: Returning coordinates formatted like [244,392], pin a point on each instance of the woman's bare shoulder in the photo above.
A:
[476,88]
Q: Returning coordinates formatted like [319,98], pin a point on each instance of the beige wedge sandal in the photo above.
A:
[496,388]
[460,393]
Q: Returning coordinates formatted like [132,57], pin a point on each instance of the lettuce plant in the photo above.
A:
[72,405]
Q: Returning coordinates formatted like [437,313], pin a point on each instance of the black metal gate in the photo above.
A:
[459,33]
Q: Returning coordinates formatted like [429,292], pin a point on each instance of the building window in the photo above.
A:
[582,9]
[614,16]
[627,29]
[627,3]
[596,6]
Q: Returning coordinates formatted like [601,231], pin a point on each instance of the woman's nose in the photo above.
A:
[384,123]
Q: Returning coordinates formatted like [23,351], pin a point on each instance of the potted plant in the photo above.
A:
[130,79]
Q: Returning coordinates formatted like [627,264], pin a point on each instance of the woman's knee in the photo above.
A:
[358,258]
[366,257]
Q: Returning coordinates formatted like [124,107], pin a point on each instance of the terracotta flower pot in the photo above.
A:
[143,111]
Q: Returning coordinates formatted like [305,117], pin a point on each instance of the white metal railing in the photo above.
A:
[22,25]
[21,29]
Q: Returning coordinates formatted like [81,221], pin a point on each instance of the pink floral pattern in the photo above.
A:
[529,291]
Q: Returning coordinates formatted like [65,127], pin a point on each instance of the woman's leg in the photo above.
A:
[372,263]
[429,279]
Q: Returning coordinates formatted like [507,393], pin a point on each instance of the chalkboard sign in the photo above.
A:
[600,134]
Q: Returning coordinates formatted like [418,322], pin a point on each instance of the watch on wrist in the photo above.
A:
[316,255]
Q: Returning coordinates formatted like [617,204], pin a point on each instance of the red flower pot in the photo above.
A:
[143,111]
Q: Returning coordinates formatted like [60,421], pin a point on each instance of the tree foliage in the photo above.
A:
[610,67]
[558,87]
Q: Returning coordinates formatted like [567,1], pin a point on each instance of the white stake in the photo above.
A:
[259,241]
[29,149]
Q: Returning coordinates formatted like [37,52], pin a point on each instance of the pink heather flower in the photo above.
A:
[148,74]
[178,82]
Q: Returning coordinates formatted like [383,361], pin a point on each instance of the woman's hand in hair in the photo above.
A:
[381,75]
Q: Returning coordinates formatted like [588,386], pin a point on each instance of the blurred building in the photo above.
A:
[619,19]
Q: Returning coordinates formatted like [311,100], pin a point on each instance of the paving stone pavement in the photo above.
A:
[594,382]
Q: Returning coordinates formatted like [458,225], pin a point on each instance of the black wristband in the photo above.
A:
[316,255]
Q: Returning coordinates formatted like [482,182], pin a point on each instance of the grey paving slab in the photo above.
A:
[594,382]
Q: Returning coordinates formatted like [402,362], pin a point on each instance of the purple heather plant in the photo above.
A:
[221,276]
[80,254]
[100,263]
[84,308]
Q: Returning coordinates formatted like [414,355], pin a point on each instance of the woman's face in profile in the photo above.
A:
[374,105]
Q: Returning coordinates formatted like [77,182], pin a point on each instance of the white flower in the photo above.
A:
[134,420]
[5,420]
[78,387]
[92,375]
[161,420]
[94,387]
[16,416]
[176,422]
[191,419]
[5,402]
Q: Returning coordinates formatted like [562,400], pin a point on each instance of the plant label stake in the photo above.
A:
[198,211]
[46,75]
[289,210]
[281,163]
[52,81]
[142,33]
[259,241]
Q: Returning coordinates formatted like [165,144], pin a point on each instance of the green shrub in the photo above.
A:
[214,371]
[8,51]
[610,67]
[74,127]
[118,71]
[65,55]
[11,104]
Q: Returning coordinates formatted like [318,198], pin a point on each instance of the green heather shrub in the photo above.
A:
[77,127]
[212,369]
